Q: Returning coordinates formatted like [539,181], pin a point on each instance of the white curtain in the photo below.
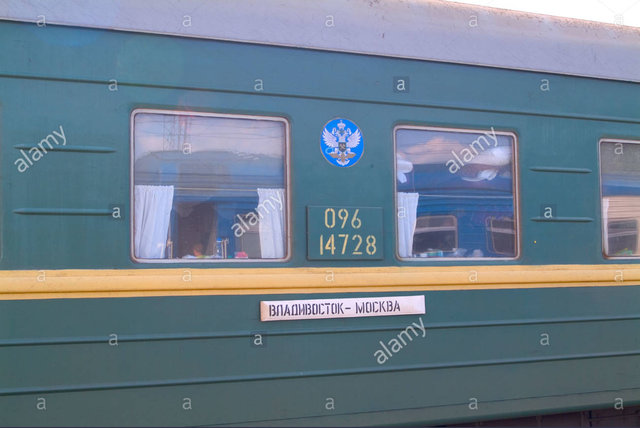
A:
[605,224]
[152,215]
[271,204]
[407,214]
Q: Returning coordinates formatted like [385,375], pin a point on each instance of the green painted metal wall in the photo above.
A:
[55,76]
[479,344]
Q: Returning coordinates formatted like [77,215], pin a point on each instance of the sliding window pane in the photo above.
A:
[209,187]
[455,194]
[620,168]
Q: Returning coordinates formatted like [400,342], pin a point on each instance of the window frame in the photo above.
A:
[516,193]
[602,223]
[287,186]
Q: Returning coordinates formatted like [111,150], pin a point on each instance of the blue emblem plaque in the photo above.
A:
[342,143]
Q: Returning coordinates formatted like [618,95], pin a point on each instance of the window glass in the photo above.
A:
[208,187]
[501,232]
[435,232]
[455,193]
[620,168]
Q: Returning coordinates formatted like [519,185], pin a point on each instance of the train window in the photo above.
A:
[620,187]
[209,187]
[455,193]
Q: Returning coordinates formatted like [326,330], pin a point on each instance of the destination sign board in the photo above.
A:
[344,233]
[288,310]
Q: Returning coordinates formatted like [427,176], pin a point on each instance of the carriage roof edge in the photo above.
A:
[433,30]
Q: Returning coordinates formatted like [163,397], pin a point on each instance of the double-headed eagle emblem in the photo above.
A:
[340,141]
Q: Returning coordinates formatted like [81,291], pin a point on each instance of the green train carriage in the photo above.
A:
[182,244]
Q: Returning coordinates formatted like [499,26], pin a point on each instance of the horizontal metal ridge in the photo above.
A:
[560,169]
[79,149]
[63,211]
[337,330]
[303,374]
[563,219]
[441,105]
[394,416]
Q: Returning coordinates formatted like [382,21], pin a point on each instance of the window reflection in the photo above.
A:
[455,194]
[208,187]
[620,168]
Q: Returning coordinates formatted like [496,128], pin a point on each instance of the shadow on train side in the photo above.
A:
[625,417]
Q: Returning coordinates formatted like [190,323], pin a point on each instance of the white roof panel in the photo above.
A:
[421,29]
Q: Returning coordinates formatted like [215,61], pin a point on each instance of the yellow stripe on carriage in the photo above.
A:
[57,284]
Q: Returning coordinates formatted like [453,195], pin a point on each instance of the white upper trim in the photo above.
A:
[422,29]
